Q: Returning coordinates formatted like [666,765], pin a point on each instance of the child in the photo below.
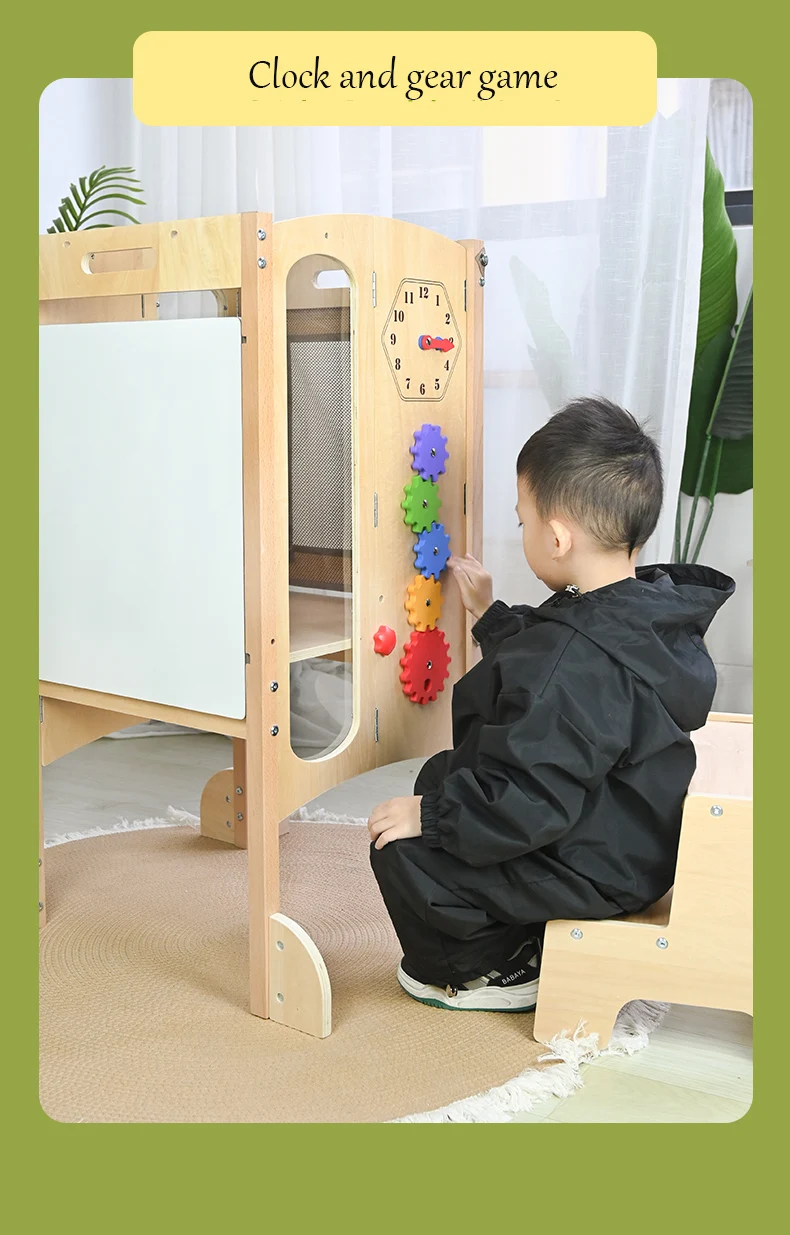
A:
[562,795]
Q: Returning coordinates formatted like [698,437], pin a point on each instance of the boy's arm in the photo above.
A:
[499,622]
[533,771]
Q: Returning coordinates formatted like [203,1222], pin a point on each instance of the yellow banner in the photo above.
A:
[441,77]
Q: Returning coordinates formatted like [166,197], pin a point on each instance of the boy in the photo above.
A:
[562,795]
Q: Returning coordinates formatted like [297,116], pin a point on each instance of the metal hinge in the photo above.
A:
[376,725]
[464,295]
[375,509]
[373,289]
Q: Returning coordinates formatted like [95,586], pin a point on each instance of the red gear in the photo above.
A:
[425,664]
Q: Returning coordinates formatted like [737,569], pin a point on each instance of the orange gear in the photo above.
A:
[424,602]
[425,663]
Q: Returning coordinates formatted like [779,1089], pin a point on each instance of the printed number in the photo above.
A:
[393,340]
[408,298]
[447,365]
[451,339]
[423,293]
[437,302]
[436,383]
[397,364]
[446,316]
[408,382]
[422,388]
[398,315]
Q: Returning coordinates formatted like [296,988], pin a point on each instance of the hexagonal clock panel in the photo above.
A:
[421,340]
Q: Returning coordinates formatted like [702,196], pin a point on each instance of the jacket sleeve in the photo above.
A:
[534,768]
[499,622]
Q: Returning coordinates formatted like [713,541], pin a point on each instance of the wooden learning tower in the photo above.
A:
[225,496]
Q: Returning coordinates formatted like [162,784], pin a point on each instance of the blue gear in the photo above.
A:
[432,551]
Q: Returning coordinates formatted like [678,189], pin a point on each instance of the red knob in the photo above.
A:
[384,640]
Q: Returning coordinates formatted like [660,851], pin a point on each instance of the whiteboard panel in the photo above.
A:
[141,531]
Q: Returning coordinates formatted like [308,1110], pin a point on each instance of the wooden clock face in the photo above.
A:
[421,340]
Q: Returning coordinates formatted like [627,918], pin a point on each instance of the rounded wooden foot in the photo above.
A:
[299,992]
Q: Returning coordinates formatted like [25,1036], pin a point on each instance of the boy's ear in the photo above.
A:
[563,540]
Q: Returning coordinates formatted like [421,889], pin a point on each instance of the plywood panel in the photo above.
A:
[141,511]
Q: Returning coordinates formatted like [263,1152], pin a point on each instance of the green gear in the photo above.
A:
[421,504]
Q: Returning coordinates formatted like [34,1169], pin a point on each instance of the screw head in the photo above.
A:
[429,664]
[280,997]
[483,259]
[227,799]
[662,943]
[261,234]
[273,686]
[280,945]
[239,817]
[262,262]
[482,282]
[576,933]
[239,789]
[717,811]
[275,729]
[228,823]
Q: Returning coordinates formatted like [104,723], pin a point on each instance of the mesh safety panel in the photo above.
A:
[320,447]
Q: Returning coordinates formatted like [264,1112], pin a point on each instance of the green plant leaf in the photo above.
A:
[100,214]
[718,302]
[705,382]
[552,355]
[104,184]
[733,413]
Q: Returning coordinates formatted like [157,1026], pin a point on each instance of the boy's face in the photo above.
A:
[544,542]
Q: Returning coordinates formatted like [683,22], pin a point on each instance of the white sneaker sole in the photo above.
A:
[522,998]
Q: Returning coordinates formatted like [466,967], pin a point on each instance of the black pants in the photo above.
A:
[447,935]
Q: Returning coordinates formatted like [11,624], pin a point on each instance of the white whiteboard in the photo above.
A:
[141,531]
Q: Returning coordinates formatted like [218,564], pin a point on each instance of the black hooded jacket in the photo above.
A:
[571,739]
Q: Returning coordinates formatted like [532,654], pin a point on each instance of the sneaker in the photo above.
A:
[513,991]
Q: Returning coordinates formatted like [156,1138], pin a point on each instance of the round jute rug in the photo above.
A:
[144,992]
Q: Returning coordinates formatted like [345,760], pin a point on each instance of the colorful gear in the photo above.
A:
[424,603]
[432,551]
[429,452]
[421,504]
[384,640]
[425,663]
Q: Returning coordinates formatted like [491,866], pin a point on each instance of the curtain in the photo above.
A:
[594,237]
[730,132]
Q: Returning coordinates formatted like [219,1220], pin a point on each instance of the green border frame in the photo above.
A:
[203,1177]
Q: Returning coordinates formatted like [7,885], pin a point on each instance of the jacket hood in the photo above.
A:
[654,625]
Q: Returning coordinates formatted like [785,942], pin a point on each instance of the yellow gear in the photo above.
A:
[424,602]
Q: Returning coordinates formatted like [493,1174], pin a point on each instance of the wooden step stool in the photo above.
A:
[695,945]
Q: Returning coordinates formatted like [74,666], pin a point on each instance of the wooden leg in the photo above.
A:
[580,984]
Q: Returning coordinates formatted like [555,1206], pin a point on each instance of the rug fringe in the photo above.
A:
[175,819]
[568,1052]
[319,815]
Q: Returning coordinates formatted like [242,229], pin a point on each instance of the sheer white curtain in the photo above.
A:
[730,132]
[594,238]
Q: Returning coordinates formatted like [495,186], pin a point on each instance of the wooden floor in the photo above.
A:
[697,1069]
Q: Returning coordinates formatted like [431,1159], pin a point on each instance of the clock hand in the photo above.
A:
[426,342]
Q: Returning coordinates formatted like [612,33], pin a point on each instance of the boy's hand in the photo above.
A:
[394,820]
[477,586]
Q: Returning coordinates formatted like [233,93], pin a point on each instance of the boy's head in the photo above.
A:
[589,487]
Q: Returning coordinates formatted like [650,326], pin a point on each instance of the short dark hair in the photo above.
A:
[594,463]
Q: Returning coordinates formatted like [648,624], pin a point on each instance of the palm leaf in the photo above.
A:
[104,184]
[733,412]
